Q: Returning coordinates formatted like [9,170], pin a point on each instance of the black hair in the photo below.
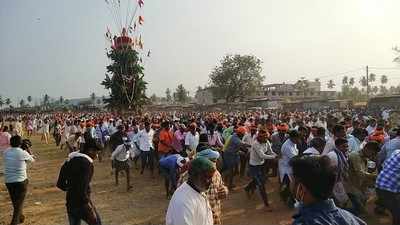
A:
[317,142]
[340,141]
[316,174]
[26,143]
[293,134]
[321,132]
[5,128]
[203,138]
[15,141]
[337,128]
[373,145]
[89,145]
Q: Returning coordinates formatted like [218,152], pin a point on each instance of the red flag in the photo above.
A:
[141,3]
[141,20]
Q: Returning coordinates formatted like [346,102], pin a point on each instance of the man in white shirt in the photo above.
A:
[338,131]
[259,152]
[192,139]
[121,161]
[189,205]
[145,143]
[289,150]
[316,146]
[15,176]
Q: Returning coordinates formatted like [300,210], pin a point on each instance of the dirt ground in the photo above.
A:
[145,204]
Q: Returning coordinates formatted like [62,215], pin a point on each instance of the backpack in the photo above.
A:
[63,177]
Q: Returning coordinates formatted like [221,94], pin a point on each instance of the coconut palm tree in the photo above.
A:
[46,99]
[384,79]
[372,77]
[330,84]
[29,98]
[345,80]
[351,81]
[93,97]
[8,102]
[22,103]
[61,100]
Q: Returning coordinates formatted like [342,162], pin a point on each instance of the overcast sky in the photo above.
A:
[57,46]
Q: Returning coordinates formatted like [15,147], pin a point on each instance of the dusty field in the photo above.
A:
[145,204]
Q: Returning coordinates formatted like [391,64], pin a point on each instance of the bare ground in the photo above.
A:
[145,204]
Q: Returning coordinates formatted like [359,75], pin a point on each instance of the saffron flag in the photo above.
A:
[141,3]
[141,20]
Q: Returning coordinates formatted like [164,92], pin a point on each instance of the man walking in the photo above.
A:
[15,175]
[75,177]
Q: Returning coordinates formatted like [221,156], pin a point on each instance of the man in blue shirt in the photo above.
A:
[388,186]
[314,179]
[169,166]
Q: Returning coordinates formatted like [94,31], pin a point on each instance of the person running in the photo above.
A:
[15,176]
[145,139]
[188,206]
[259,152]
[231,159]
[121,159]
[289,150]
[313,182]
[74,178]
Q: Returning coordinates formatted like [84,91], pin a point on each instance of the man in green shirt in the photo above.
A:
[359,177]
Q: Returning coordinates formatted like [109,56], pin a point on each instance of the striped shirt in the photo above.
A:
[389,178]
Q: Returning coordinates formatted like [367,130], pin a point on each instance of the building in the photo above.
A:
[284,91]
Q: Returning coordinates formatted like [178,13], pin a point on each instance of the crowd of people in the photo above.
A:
[328,163]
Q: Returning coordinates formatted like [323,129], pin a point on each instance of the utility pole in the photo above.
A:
[367,76]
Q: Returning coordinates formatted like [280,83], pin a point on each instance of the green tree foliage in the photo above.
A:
[8,102]
[22,103]
[124,80]
[29,98]
[61,100]
[1,102]
[181,95]
[237,77]
[331,84]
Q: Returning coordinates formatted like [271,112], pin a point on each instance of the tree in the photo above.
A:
[98,101]
[384,79]
[124,80]
[22,103]
[383,90]
[345,80]
[372,77]
[1,102]
[237,77]
[363,82]
[93,97]
[29,98]
[397,51]
[46,99]
[181,95]
[374,89]
[330,84]
[61,100]
[8,102]
[317,80]
[351,81]
[302,85]
[153,98]
[168,95]
[66,101]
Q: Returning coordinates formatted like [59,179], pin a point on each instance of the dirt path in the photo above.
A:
[145,204]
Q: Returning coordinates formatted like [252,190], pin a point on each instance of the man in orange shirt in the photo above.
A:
[165,140]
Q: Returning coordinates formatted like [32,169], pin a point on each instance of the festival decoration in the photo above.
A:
[124,77]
